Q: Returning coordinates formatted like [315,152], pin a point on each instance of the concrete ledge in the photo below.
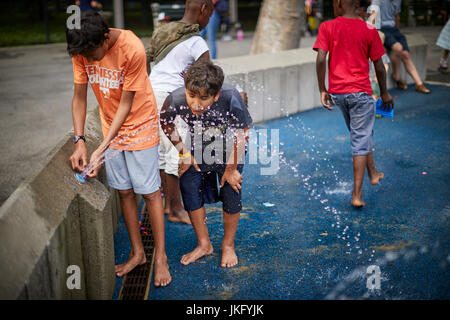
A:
[51,222]
[280,84]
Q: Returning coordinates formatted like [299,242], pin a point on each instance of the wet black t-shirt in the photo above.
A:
[211,133]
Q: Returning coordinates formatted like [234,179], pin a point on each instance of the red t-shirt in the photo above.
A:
[350,42]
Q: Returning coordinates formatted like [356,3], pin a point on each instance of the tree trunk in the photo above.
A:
[280,26]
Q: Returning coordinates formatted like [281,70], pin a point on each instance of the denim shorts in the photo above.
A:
[137,170]
[199,188]
[358,110]
[392,36]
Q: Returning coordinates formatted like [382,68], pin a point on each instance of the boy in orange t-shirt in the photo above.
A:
[113,61]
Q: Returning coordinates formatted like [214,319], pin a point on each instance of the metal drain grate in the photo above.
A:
[136,283]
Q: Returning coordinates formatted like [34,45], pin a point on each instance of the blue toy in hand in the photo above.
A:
[381,112]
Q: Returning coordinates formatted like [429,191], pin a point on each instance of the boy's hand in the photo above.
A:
[78,159]
[326,100]
[185,164]
[234,179]
[95,161]
[388,102]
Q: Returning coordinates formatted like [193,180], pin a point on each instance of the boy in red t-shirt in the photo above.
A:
[113,62]
[351,42]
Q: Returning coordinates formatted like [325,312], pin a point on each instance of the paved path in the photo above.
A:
[311,244]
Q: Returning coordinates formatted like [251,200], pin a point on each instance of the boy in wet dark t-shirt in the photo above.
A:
[218,122]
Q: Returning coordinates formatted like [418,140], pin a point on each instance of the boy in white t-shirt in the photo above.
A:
[173,47]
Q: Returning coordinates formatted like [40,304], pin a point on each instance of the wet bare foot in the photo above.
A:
[229,257]
[357,201]
[376,178]
[162,274]
[196,254]
[133,262]
[179,216]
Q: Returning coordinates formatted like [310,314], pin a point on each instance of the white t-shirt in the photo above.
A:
[166,75]
[375,8]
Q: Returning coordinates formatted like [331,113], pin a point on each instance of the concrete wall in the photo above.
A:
[51,222]
[286,83]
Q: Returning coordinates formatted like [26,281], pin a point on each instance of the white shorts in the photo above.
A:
[168,154]
[137,170]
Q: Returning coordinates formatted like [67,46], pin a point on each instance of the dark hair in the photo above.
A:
[203,74]
[91,34]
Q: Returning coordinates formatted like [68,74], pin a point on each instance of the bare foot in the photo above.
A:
[376,178]
[179,216]
[133,262]
[229,257]
[357,201]
[196,254]
[162,274]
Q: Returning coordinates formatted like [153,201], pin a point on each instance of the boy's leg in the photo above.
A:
[156,215]
[359,169]
[177,212]
[130,216]
[168,165]
[204,246]
[232,206]
[119,179]
[142,167]
[373,173]
[362,119]
[230,224]
[166,192]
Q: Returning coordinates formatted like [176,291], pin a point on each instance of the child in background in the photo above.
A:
[217,116]
[350,43]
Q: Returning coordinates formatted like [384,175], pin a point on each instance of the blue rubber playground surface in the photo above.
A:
[299,237]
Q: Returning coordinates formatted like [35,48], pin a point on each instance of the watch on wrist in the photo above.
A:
[78,138]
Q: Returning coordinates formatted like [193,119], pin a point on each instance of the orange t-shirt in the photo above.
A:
[124,67]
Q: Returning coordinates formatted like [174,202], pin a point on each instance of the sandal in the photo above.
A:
[421,88]
[400,83]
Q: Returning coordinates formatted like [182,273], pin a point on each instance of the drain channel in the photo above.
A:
[136,284]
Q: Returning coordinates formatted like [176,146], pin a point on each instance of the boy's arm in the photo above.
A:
[380,71]
[231,175]
[397,20]
[78,159]
[126,101]
[321,69]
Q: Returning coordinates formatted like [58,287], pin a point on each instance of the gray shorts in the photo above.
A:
[359,114]
[137,170]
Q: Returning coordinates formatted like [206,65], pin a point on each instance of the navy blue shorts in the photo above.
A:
[198,188]
[393,35]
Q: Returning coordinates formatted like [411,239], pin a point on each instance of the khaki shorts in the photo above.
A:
[168,154]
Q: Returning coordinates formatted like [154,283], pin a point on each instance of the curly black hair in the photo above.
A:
[91,35]
[203,74]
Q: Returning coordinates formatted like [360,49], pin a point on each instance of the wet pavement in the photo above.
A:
[298,236]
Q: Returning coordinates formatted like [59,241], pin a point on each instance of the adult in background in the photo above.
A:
[396,43]
[444,42]
[220,9]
